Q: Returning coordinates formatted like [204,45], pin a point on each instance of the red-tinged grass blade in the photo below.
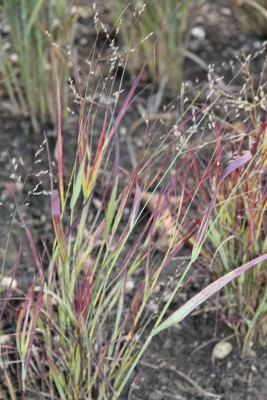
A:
[83,131]
[24,307]
[59,146]
[22,322]
[15,268]
[113,187]
[77,185]
[32,244]
[205,294]
[237,163]
[56,214]
[126,102]
[49,163]
[98,156]
[117,157]
[136,307]
[36,314]
[132,217]
[61,240]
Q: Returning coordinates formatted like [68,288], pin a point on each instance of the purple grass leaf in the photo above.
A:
[126,103]
[55,205]
[59,144]
[237,163]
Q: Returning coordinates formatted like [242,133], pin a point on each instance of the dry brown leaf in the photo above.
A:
[166,228]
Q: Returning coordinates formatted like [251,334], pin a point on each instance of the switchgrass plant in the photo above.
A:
[35,42]
[79,335]
[253,16]
[86,320]
[159,31]
[238,235]
[237,229]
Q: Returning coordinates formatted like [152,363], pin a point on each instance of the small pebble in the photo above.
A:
[221,350]
[126,211]
[14,57]
[4,339]
[157,289]
[257,44]
[254,369]
[123,131]
[152,306]
[226,11]
[6,281]
[198,32]
[229,365]
[129,286]
[5,28]
[83,41]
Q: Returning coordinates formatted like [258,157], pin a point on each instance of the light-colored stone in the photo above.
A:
[6,281]
[221,350]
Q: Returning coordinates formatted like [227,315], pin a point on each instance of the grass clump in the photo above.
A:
[32,56]
[253,16]
[237,230]
[237,236]
[158,31]
[91,311]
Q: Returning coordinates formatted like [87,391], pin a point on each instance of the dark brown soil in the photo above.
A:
[178,364]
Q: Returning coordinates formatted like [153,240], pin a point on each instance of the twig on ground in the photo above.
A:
[182,375]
